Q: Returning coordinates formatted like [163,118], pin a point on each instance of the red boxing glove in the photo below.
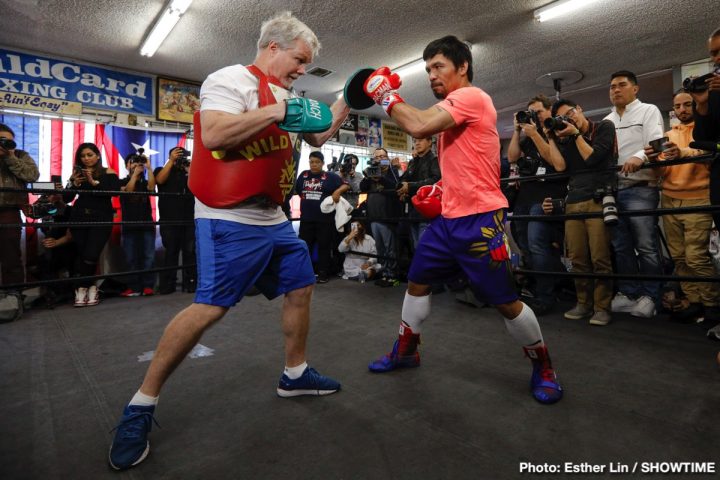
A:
[428,200]
[381,84]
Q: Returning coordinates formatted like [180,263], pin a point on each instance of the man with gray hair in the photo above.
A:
[243,237]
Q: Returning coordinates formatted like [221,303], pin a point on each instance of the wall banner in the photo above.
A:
[394,137]
[41,81]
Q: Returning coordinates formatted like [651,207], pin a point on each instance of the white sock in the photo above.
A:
[415,310]
[525,328]
[295,372]
[143,400]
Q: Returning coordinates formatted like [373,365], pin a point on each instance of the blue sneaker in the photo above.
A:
[394,360]
[309,383]
[130,445]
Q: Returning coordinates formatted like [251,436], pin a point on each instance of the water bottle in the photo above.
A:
[362,276]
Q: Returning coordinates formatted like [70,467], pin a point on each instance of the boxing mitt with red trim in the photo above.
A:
[382,87]
[428,200]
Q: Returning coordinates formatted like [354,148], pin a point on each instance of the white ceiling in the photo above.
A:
[510,49]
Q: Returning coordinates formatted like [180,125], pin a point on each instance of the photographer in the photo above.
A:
[381,183]
[538,241]
[347,172]
[356,266]
[89,176]
[138,241]
[707,118]
[590,148]
[422,170]
[172,177]
[17,169]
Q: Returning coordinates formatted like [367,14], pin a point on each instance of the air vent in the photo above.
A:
[319,72]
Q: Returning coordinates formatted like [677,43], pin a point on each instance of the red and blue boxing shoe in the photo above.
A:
[395,360]
[543,382]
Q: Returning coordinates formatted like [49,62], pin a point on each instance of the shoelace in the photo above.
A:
[133,426]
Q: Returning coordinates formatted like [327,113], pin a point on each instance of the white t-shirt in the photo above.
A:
[234,90]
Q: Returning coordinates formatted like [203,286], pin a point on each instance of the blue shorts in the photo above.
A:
[232,257]
[474,245]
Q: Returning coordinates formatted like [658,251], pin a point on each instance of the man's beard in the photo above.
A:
[439,96]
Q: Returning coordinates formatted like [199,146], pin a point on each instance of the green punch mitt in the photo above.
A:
[305,115]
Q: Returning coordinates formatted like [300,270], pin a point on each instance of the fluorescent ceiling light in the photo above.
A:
[561,7]
[410,68]
[164,26]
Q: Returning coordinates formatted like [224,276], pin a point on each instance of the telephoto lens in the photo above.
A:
[609,210]
[556,123]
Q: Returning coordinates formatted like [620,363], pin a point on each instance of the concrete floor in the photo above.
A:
[638,390]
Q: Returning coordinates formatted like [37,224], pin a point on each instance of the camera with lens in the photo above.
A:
[528,166]
[606,195]
[697,84]
[7,143]
[556,123]
[527,116]
[373,171]
[558,206]
[183,160]
[43,208]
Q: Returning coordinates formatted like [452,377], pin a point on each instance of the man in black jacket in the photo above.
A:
[707,118]
[422,170]
[586,150]
[707,129]
[172,178]
[383,208]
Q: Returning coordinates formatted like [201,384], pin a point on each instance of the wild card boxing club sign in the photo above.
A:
[40,83]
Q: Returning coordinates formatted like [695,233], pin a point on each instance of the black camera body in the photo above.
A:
[697,84]
[183,160]
[558,206]
[373,171]
[527,116]
[528,166]
[556,123]
[43,208]
[7,143]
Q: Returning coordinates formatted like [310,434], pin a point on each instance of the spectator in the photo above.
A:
[138,241]
[172,178]
[636,125]
[584,145]
[383,207]
[707,117]
[538,241]
[317,228]
[59,257]
[359,267]
[88,177]
[347,171]
[17,169]
[688,234]
[707,128]
[422,170]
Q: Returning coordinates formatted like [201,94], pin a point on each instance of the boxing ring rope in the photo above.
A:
[395,220]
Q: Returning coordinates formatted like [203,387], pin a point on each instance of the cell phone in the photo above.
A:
[56,178]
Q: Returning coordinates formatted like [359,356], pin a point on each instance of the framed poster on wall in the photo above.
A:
[177,100]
